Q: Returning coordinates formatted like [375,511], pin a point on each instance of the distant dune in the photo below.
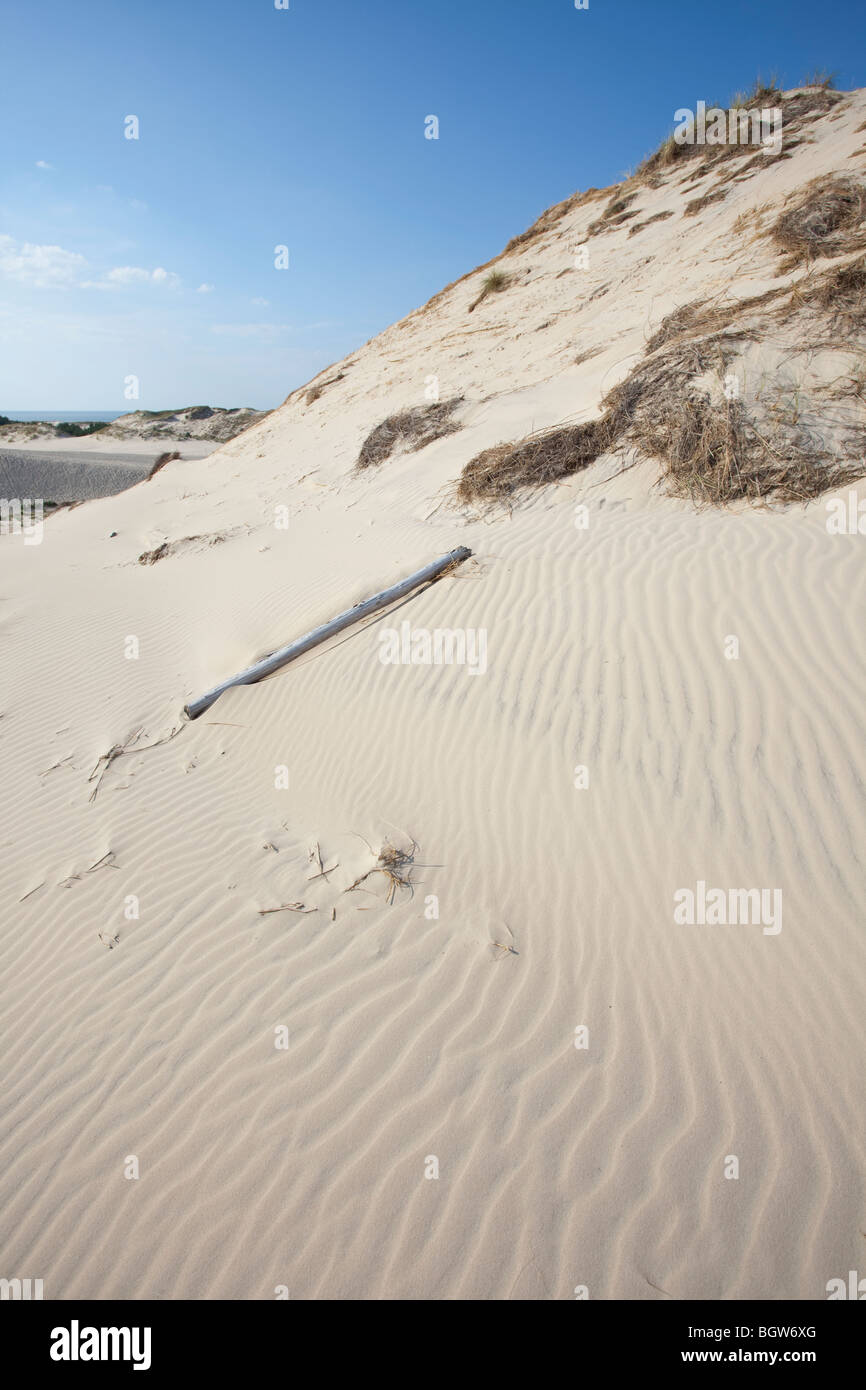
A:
[214,424]
[38,459]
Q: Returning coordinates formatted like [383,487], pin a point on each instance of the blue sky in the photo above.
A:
[305,127]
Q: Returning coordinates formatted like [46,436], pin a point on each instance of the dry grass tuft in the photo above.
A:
[697,317]
[656,217]
[712,453]
[672,408]
[806,105]
[409,431]
[548,219]
[545,457]
[396,864]
[697,205]
[824,219]
[160,463]
[150,557]
[616,212]
[315,391]
[712,449]
[840,294]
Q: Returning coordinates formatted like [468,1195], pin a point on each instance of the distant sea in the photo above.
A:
[70,416]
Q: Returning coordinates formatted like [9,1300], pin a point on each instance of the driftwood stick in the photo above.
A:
[321,634]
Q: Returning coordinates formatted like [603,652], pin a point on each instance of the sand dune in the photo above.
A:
[410,1036]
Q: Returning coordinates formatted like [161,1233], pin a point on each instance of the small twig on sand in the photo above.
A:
[315,858]
[32,891]
[56,765]
[119,749]
[287,907]
[504,948]
[109,856]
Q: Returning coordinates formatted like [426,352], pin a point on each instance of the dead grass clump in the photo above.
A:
[808,105]
[713,451]
[160,463]
[669,152]
[701,446]
[545,457]
[614,214]
[840,294]
[408,431]
[716,453]
[656,217]
[702,318]
[396,865]
[823,220]
[315,391]
[697,205]
[150,557]
[697,317]
[547,220]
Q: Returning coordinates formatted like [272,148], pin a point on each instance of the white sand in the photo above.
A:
[558,1167]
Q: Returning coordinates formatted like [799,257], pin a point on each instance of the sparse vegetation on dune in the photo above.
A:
[409,431]
[826,218]
[841,294]
[817,97]
[494,283]
[713,450]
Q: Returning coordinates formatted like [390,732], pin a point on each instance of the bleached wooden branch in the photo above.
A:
[321,634]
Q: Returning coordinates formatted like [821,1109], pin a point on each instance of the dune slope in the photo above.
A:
[364,1098]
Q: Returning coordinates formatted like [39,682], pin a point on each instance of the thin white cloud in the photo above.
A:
[43,164]
[205,289]
[53,267]
[42,267]
[260,303]
[137,275]
[125,275]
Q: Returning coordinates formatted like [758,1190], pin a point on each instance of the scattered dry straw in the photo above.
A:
[396,865]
